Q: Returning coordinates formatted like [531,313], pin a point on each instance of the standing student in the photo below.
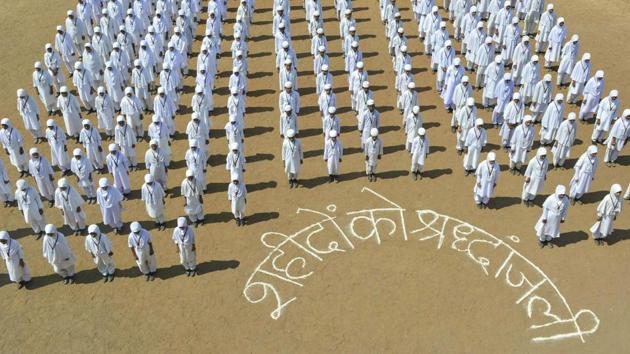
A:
[141,245]
[184,239]
[58,254]
[100,248]
[30,204]
[13,255]
[554,213]
[237,195]
[607,211]
[292,157]
[373,150]
[110,201]
[487,174]
[69,201]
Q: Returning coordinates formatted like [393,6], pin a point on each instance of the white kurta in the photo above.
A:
[585,169]
[373,150]
[118,167]
[12,254]
[110,202]
[607,211]
[71,111]
[520,144]
[487,177]
[536,173]
[43,174]
[141,245]
[101,247]
[185,241]
[91,140]
[419,153]
[30,204]
[475,141]
[59,255]
[193,192]
[153,198]
[333,153]
[237,195]
[292,155]
[554,212]
[58,150]
[70,203]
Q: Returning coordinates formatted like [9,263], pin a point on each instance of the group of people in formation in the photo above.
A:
[125,51]
[126,60]
[508,69]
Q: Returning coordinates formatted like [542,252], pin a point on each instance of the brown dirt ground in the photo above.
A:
[396,297]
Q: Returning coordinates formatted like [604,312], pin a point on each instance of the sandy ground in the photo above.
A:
[399,296]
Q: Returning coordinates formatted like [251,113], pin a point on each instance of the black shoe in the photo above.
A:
[414,175]
[330,178]
[39,235]
[152,275]
[20,285]
[188,272]
[51,203]
[374,177]
[66,281]
[71,280]
[111,277]
[193,272]
[295,183]
[147,277]
[105,278]
[542,244]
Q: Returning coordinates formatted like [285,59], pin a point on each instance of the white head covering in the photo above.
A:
[290,133]
[332,110]
[422,131]
[4,235]
[234,146]
[148,178]
[374,132]
[541,152]
[181,222]
[94,229]
[572,116]
[478,122]
[50,229]
[190,173]
[592,150]
[332,133]
[77,152]
[103,182]
[62,183]
[560,190]
[470,101]
[492,156]
[135,226]
[415,109]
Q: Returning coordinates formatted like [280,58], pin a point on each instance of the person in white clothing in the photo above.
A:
[585,169]
[607,212]
[487,177]
[6,195]
[105,111]
[292,157]
[58,149]
[83,169]
[373,151]
[132,108]
[70,202]
[580,74]
[12,143]
[237,195]
[554,213]
[565,137]
[30,204]
[607,113]
[13,255]
[551,120]
[475,141]
[43,85]
[110,202]
[69,106]
[42,172]
[100,248]
[235,163]
[58,254]
[125,141]
[141,246]
[90,138]
[184,239]
[535,177]
[520,144]
[419,153]
[153,196]
[118,167]
[29,112]
[617,139]
[592,94]
[192,190]
[155,163]
[333,154]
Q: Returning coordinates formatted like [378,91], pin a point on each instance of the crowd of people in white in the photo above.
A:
[127,59]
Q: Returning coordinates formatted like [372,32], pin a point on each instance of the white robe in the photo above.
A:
[11,140]
[237,195]
[155,163]
[58,151]
[30,114]
[70,203]
[565,136]
[193,192]
[536,172]
[520,144]
[153,198]
[333,153]
[554,212]
[141,245]
[42,172]
[419,153]
[607,211]
[475,141]
[91,140]
[487,177]
[235,163]
[185,241]
[12,253]
[71,111]
[30,203]
[551,122]
[59,255]
[118,167]
[292,156]
[582,179]
[100,247]
[110,202]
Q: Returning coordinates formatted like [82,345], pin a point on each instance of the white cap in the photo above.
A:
[234,146]
[50,229]
[465,78]
[181,222]
[547,78]
[411,85]
[592,150]
[492,156]
[50,122]
[614,93]
[527,118]
[541,151]
[321,48]
[370,102]
[103,182]
[189,173]
[320,30]
[516,96]
[332,133]
[85,122]
[327,87]
[599,74]
[62,182]
[77,152]
[287,108]
[120,119]
[360,65]
[374,132]
[403,48]
[478,121]
[407,67]
[365,84]
[135,226]
[290,133]
[421,131]
[324,67]
[470,101]
[33,151]
[93,229]
[572,116]
[332,110]
[288,84]
[64,89]
[415,109]
[112,147]
[559,97]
